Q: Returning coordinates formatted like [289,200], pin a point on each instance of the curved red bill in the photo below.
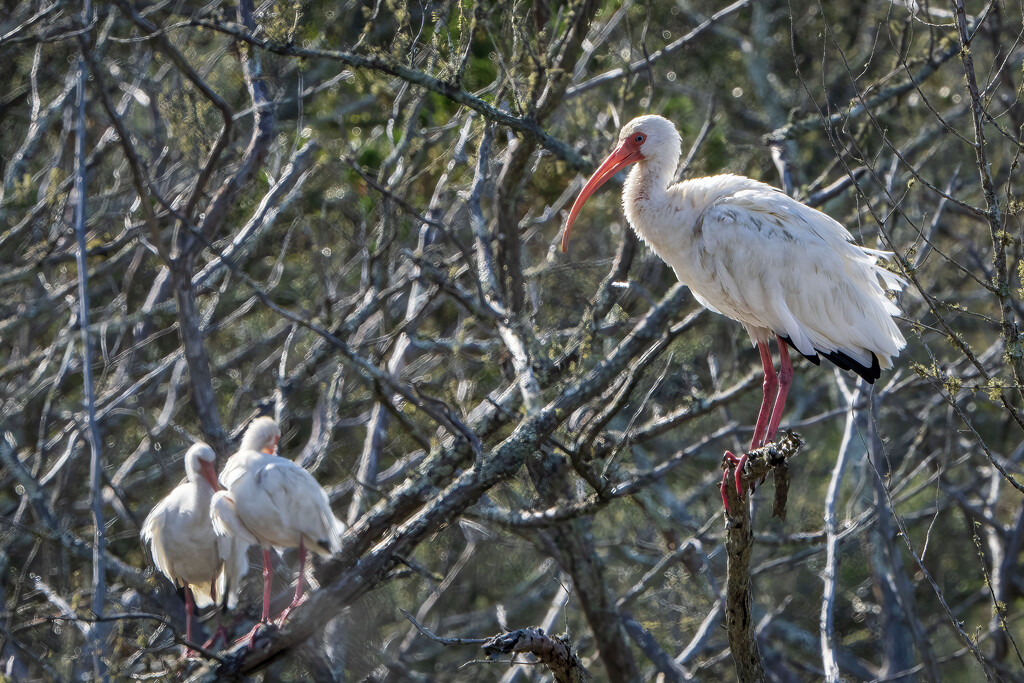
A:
[209,473]
[625,154]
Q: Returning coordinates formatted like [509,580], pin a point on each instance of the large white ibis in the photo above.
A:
[273,502]
[183,543]
[752,253]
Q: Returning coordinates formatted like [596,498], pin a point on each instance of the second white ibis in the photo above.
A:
[752,253]
[273,502]
[185,547]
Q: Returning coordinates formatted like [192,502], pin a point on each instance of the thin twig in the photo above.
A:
[438,639]
[92,434]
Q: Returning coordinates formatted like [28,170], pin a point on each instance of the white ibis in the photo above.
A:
[273,502]
[750,252]
[185,547]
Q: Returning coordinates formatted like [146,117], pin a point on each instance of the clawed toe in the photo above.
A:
[737,463]
[740,464]
[287,610]
[249,638]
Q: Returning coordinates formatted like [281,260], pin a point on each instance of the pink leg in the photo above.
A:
[298,584]
[220,627]
[224,631]
[770,385]
[190,607]
[221,632]
[785,380]
[267,577]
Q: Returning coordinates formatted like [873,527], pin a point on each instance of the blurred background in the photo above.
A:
[347,214]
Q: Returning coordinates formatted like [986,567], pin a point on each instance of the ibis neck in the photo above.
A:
[192,472]
[647,181]
[645,198]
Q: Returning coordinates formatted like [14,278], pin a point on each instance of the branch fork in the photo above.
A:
[772,458]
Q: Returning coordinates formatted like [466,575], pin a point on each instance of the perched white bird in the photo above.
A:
[750,252]
[273,502]
[183,543]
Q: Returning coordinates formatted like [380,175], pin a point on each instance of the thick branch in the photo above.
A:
[739,544]
[556,652]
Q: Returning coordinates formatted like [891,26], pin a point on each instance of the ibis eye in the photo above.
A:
[640,138]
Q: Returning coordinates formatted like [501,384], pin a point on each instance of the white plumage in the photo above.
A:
[758,256]
[183,543]
[273,502]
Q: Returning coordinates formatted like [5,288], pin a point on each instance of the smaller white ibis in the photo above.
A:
[752,253]
[271,501]
[185,547]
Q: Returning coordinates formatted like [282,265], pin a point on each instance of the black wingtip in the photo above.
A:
[813,357]
[844,362]
[868,374]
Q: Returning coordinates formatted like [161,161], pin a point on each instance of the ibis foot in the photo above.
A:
[737,463]
[250,638]
[288,610]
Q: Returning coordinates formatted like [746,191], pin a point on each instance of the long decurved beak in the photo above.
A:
[625,154]
[209,472]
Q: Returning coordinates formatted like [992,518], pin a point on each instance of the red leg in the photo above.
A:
[785,380]
[220,627]
[764,415]
[250,637]
[302,573]
[770,386]
[190,607]
[221,632]
[267,577]
[298,584]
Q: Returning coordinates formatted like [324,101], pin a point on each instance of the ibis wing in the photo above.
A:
[234,469]
[152,534]
[299,498]
[226,521]
[182,541]
[775,264]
